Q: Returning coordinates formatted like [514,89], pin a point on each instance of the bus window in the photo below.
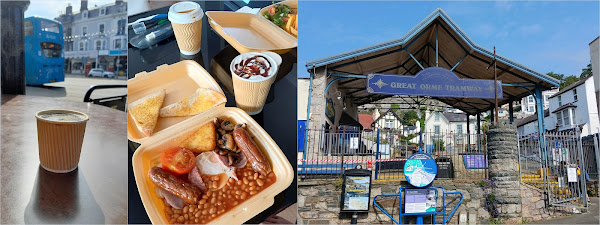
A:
[28,28]
[49,26]
[50,50]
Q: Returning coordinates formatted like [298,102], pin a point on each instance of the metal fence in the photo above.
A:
[559,163]
[327,154]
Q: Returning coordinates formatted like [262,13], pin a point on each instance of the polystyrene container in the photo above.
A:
[148,154]
[179,80]
[250,33]
[293,4]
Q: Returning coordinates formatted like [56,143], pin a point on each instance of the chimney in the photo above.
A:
[83,5]
[69,9]
[118,2]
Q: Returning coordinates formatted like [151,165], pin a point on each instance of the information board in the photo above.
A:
[357,193]
[420,169]
[475,161]
[419,201]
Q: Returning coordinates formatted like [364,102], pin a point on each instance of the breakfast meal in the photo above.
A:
[202,100]
[144,111]
[211,172]
[256,65]
[282,16]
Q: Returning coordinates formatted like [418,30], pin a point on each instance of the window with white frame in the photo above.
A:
[559,100]
[84,14]
[573,115]
[575,94]
[459,128]
[117,43]
[530,108]
[101,28]
[83,31]
[546,99]
[102,11]
[437,117]
[98,44]
[80,46]
[566,117]
[436,129]
[389,123]
[530,99]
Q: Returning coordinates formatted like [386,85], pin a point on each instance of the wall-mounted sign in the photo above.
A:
[475,161]
[330,110]
[420,169]
[434,82]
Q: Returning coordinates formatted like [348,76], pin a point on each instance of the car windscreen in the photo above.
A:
[49,26]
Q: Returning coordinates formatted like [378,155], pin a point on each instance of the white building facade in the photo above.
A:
[95,38]
[528,103]
[575,106]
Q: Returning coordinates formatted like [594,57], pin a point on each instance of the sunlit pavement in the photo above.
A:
[75,86]
[590,217]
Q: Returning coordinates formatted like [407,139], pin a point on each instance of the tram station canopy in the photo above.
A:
[455,51]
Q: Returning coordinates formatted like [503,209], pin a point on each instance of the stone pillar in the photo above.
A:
[12,48]
[504,170]
[317,98]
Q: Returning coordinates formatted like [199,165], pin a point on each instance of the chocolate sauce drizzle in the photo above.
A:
[253,66]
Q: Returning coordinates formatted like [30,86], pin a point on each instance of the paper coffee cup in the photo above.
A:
[251,94]
[60,136]
[186,19]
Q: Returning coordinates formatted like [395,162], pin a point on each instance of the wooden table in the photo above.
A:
[95,193]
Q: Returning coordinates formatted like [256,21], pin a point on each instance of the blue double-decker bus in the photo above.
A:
[44,58]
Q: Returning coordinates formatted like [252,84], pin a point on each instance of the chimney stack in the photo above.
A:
[83,5]
[69,9]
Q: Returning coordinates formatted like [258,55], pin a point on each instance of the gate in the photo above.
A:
[556,163]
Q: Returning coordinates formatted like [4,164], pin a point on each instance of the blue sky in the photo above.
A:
[544,36]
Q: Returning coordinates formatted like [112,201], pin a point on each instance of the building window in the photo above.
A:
[84,14]
[566,118]
[437,117]
[101,28]
[573,115]
[83,46]
[436,129]
[559,121]
[83,31]
[530,108]
[559,100]
[98,45]
[546,98]
[117,44]
[121,26]
[389,123]
[530,99]
[102,12]
[575,94]
[459,128]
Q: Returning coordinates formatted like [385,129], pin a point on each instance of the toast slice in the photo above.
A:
[204,139]
[145,111]
[202,100]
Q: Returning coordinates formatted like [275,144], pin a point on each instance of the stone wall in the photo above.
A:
[319,202]
[533,205]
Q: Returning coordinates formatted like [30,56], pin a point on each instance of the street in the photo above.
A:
[75,86]
[590,217]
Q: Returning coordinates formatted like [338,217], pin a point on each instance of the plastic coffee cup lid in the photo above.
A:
[185,12]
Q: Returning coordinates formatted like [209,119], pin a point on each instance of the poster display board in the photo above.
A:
[419,201]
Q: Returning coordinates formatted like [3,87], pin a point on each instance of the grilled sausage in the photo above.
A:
[254,156]
[188,192]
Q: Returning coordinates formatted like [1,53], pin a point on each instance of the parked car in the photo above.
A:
[101,73]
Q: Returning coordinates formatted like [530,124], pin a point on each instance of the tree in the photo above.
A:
[559,77]
[568,81]
[395,108]
[587,71]
[410,118]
